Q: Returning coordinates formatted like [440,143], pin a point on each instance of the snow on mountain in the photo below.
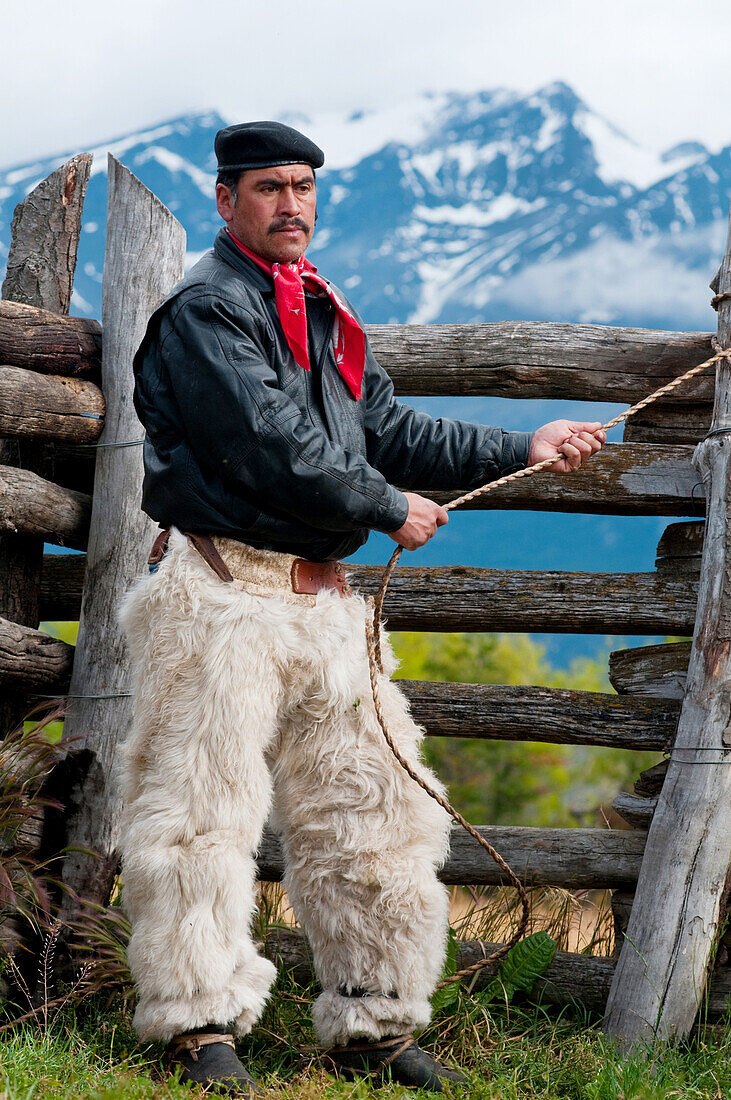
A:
[619,159]
[347,139]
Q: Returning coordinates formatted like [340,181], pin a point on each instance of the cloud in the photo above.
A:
[76,75]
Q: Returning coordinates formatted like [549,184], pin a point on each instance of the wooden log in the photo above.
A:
[536,359]
[62,583]
[649,782]
[636,811]
[144,258]
[656,670]
[680,547]
[623,479]
[541,714]
[31,659]
[570,979]
[683,887]
[576,859]
[41,269]
[460,598]
[40,407]
[449,598]
[40,340]
[664,423]
[506,359]
[626,480]
[30,505]
[40,272]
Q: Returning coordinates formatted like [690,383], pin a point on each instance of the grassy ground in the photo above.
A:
[509,1053]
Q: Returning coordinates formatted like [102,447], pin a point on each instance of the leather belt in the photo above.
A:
[202,543]
[306,577]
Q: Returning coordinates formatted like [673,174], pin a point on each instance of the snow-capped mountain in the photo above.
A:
[462,208]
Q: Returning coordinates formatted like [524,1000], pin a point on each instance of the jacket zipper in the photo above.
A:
[320,381]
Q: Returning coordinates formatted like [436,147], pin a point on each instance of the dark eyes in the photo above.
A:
[303,188]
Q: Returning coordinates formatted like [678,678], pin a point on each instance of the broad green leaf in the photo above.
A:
[527,961]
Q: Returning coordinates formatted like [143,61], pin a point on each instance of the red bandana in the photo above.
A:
[289,295]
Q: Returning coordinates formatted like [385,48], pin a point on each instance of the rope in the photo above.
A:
[375,659]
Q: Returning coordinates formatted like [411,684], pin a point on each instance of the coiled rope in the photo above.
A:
[375,661]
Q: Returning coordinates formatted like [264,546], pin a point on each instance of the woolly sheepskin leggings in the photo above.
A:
[251,703]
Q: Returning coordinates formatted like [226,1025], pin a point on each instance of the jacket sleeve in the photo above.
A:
[242,425]
[418,452]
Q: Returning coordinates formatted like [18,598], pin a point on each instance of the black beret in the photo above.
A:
[262,145]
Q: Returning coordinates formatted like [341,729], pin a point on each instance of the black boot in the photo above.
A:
[397,1056]
[208,1057]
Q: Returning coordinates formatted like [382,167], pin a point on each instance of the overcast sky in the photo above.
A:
[77,73]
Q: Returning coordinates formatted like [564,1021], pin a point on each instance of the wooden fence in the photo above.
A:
[65,406]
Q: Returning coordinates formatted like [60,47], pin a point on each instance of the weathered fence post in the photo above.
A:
[41,264]
[682,889]
[145,251]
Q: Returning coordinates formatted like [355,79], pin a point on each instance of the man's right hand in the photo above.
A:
[421,523]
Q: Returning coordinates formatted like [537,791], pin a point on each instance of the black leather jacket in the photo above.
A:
[242,442]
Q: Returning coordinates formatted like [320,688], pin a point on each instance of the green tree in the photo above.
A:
[518,783]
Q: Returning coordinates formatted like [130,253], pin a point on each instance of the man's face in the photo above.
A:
[273,211]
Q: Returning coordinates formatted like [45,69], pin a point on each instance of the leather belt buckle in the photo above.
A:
[311,577]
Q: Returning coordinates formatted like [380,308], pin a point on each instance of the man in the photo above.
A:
[274,445]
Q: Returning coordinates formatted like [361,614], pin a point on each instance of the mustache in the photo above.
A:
[285,223]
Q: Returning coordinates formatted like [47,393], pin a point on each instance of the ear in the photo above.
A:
[224,202]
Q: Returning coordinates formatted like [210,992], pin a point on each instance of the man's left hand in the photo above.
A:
[575,440]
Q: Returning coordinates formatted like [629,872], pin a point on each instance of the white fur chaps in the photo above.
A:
[248,706]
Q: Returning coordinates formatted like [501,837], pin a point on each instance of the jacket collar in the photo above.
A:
[227,251]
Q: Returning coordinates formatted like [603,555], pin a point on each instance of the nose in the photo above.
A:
[288,205]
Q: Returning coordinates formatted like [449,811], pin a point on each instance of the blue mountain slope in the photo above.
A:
[471,208]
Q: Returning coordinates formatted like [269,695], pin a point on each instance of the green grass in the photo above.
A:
[520,1052]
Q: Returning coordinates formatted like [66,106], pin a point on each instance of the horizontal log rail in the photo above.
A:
[31,505]
[576,859]
[503,359]
[623,479]
[554,715]
[450,598]
[663,423]
[49,407]
[51,343]
[447,598]
[569,979]
[540,359]
[31,659]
